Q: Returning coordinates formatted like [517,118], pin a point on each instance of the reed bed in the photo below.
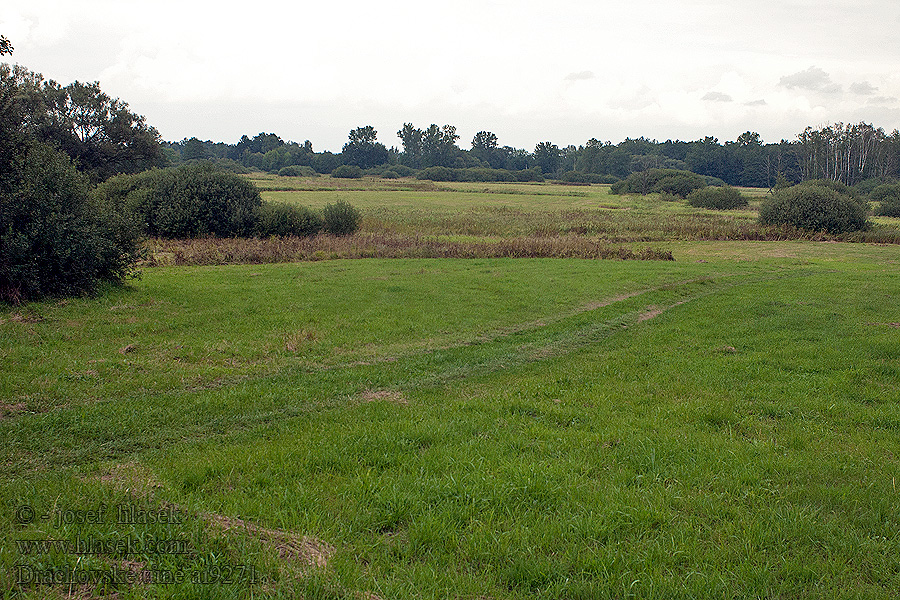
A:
[219,251]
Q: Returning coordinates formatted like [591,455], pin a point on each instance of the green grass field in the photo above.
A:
[726,425]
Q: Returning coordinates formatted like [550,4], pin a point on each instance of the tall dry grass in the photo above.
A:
[219,251]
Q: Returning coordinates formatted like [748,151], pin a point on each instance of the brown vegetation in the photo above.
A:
[220,251]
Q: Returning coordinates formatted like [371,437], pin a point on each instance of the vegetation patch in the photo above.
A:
[814,207]
[718,198]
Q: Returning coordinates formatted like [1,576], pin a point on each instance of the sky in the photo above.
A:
[563,71]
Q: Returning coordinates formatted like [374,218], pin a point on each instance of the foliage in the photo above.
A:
[719,198]
[845,153]
[669,181]
[6,46]
[99,133]
[363,150]
[297,171]
[889,197]
[432,147]
[479,174]
[581,177]
[188,201]
[547,157]
[54,239]
[813,207]
[341,218]
[437,174]
[279,219]
[347,172]
[866,187]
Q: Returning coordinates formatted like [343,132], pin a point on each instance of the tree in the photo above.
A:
[748,139]
[411,138]
[193,149]
[54,238]
[99,133]
[484,148]
[6,46]
[439,146]
[547,157]
[363,150]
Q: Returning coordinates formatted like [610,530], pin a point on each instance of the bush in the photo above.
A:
[347,172]
[867,186]
[227,164]
[814,208]
[297,171]
[188,201]
[680,184]
[889,197]
[402,170]
[280,219]
[665,181]
[837,186]
[436,174]
[718,198]
[341,218]
[389,174]
[55,239]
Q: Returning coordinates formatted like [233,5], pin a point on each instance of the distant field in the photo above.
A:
[724,425]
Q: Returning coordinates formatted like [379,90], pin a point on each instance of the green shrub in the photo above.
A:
[889,210]
[680,184]
[814,208]
[341,218]
[347,172]
[888,195]
[436,174]
[227,164]
[55,239]
[867,186]
[718,198]
[402,170]
[276,218]
[715,181]
[297,171]
[668,181]
[188,201]
[390,174]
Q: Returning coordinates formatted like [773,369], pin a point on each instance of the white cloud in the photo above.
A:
[717,97]
[812,79]
[565,71]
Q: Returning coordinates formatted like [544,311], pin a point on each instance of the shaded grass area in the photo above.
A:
[487,428]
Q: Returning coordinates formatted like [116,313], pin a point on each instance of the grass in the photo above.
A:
[720,426]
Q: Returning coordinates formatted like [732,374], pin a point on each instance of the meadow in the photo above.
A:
[722,425]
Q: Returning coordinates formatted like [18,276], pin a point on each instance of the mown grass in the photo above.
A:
[724,425]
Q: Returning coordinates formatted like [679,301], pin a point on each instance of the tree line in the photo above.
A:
[846,153]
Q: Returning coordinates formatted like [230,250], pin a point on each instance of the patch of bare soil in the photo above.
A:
[649,313]
[303,549]
[135,479]
[11,409]
[389,395]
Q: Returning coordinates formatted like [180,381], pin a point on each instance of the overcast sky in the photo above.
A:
[563,71]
